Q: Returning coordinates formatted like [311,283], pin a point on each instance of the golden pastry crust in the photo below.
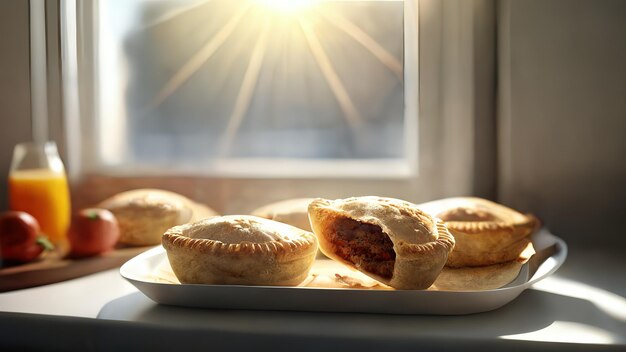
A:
[486,233]
[240,250]
[487,277]
[144,214]
[293,212]
[328,273]
[387,239]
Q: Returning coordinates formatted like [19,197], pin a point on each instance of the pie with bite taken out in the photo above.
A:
[387,239]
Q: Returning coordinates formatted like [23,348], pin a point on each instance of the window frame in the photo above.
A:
[449,74]
[93,160]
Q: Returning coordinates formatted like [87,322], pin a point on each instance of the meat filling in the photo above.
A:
[364,245]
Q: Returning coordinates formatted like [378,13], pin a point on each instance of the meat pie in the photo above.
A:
[486,233]
[493,242]
[240,250]
[387,239]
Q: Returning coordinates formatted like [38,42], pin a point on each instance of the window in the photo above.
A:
[157,84]
[255,87]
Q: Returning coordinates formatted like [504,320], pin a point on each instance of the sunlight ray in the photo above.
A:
[198,59]
[334,82]
[364,39]
[246,91]
[174,13]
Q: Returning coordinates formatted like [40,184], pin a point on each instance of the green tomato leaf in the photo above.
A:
[43,241]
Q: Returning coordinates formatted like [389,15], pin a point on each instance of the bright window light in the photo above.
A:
[286,6]
[214,87]
[609,303]
[567,332]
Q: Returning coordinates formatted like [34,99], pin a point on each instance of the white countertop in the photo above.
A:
[581,307]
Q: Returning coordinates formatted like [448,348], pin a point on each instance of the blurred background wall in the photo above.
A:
[15,123]
[562,114]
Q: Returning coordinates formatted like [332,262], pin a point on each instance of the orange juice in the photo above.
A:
[44,194]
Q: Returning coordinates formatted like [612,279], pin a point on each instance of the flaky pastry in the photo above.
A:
[387,239]
[486,233]
[144,214]
[240,250]
[486,277]
[290,211]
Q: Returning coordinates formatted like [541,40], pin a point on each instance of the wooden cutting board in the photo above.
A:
[56,267]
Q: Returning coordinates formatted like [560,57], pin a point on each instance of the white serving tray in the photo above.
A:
[145,272]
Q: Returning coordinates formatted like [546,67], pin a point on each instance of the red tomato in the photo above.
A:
[19,237]
[93,231]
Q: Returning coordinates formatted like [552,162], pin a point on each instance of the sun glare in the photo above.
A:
[302,30]
[286,6]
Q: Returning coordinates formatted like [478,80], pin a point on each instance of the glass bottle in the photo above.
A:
[38,185]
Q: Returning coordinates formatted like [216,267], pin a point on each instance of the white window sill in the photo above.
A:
[276,168]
